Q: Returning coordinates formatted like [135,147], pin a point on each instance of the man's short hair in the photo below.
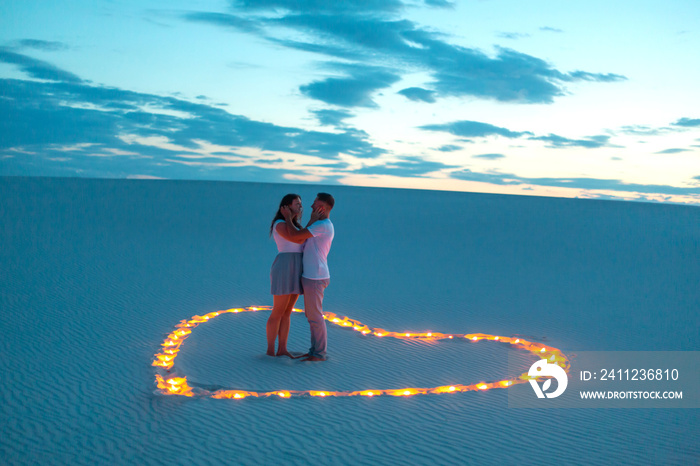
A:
[327,198]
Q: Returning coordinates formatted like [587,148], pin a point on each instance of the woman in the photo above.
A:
[285,276]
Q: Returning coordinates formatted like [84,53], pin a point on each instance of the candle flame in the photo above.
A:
[178,385]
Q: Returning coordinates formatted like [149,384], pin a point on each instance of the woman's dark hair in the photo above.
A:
[286,200]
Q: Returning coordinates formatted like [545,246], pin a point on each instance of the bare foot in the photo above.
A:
[285,353]
[300,356]
[313,358]
[270,353]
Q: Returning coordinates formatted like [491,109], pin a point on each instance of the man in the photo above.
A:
[316,276]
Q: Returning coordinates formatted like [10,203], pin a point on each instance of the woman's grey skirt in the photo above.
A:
[285,276]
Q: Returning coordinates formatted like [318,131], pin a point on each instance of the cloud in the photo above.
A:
[577,183]
[510,77]
[449,148]
[440,3]
[418,94]
[225,20]
[687,122]
[37,68]
[598,77]
[70,113]
[641,130]
[320,6]
[368,32]
[672,151]
[47,46]
[489,156]
[591,142]
[549,29]
[470,129]
[513,35]
[352,91]
[407,167]
[329,117]
[499,179]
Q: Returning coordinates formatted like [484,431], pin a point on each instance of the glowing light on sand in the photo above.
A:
[171,384]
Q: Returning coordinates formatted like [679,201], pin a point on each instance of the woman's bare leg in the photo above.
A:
[284,325]
[279,305]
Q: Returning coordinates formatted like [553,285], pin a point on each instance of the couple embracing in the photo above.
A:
[301,267]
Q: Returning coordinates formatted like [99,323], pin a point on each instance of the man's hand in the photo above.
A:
[317,214]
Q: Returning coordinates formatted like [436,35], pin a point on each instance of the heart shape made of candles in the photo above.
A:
[171,384]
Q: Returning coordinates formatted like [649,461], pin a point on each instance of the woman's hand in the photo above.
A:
[286,212]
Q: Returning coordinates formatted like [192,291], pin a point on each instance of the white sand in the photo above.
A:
[94,274]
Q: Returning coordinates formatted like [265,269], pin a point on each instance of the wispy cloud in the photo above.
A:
[407,167]
[45,45]
[551,29]
[449,148]
[672,151]
[320,6]
[225,20]
[476,129]
[591,142]
[513,35]
[489,156]
[473,129]
[440,3]
[37,68]
[642,130]
[371,33]
[70,113]
[578,183]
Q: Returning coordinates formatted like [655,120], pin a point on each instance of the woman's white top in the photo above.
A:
[282,244]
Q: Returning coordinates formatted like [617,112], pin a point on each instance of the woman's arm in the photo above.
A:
[295,235]
[283,231]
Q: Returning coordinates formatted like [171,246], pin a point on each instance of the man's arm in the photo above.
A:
[283,230]
[295,234]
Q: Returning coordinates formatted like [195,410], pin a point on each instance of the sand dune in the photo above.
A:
[95,273]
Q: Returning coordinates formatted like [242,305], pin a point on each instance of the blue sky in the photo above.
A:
[592,99]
